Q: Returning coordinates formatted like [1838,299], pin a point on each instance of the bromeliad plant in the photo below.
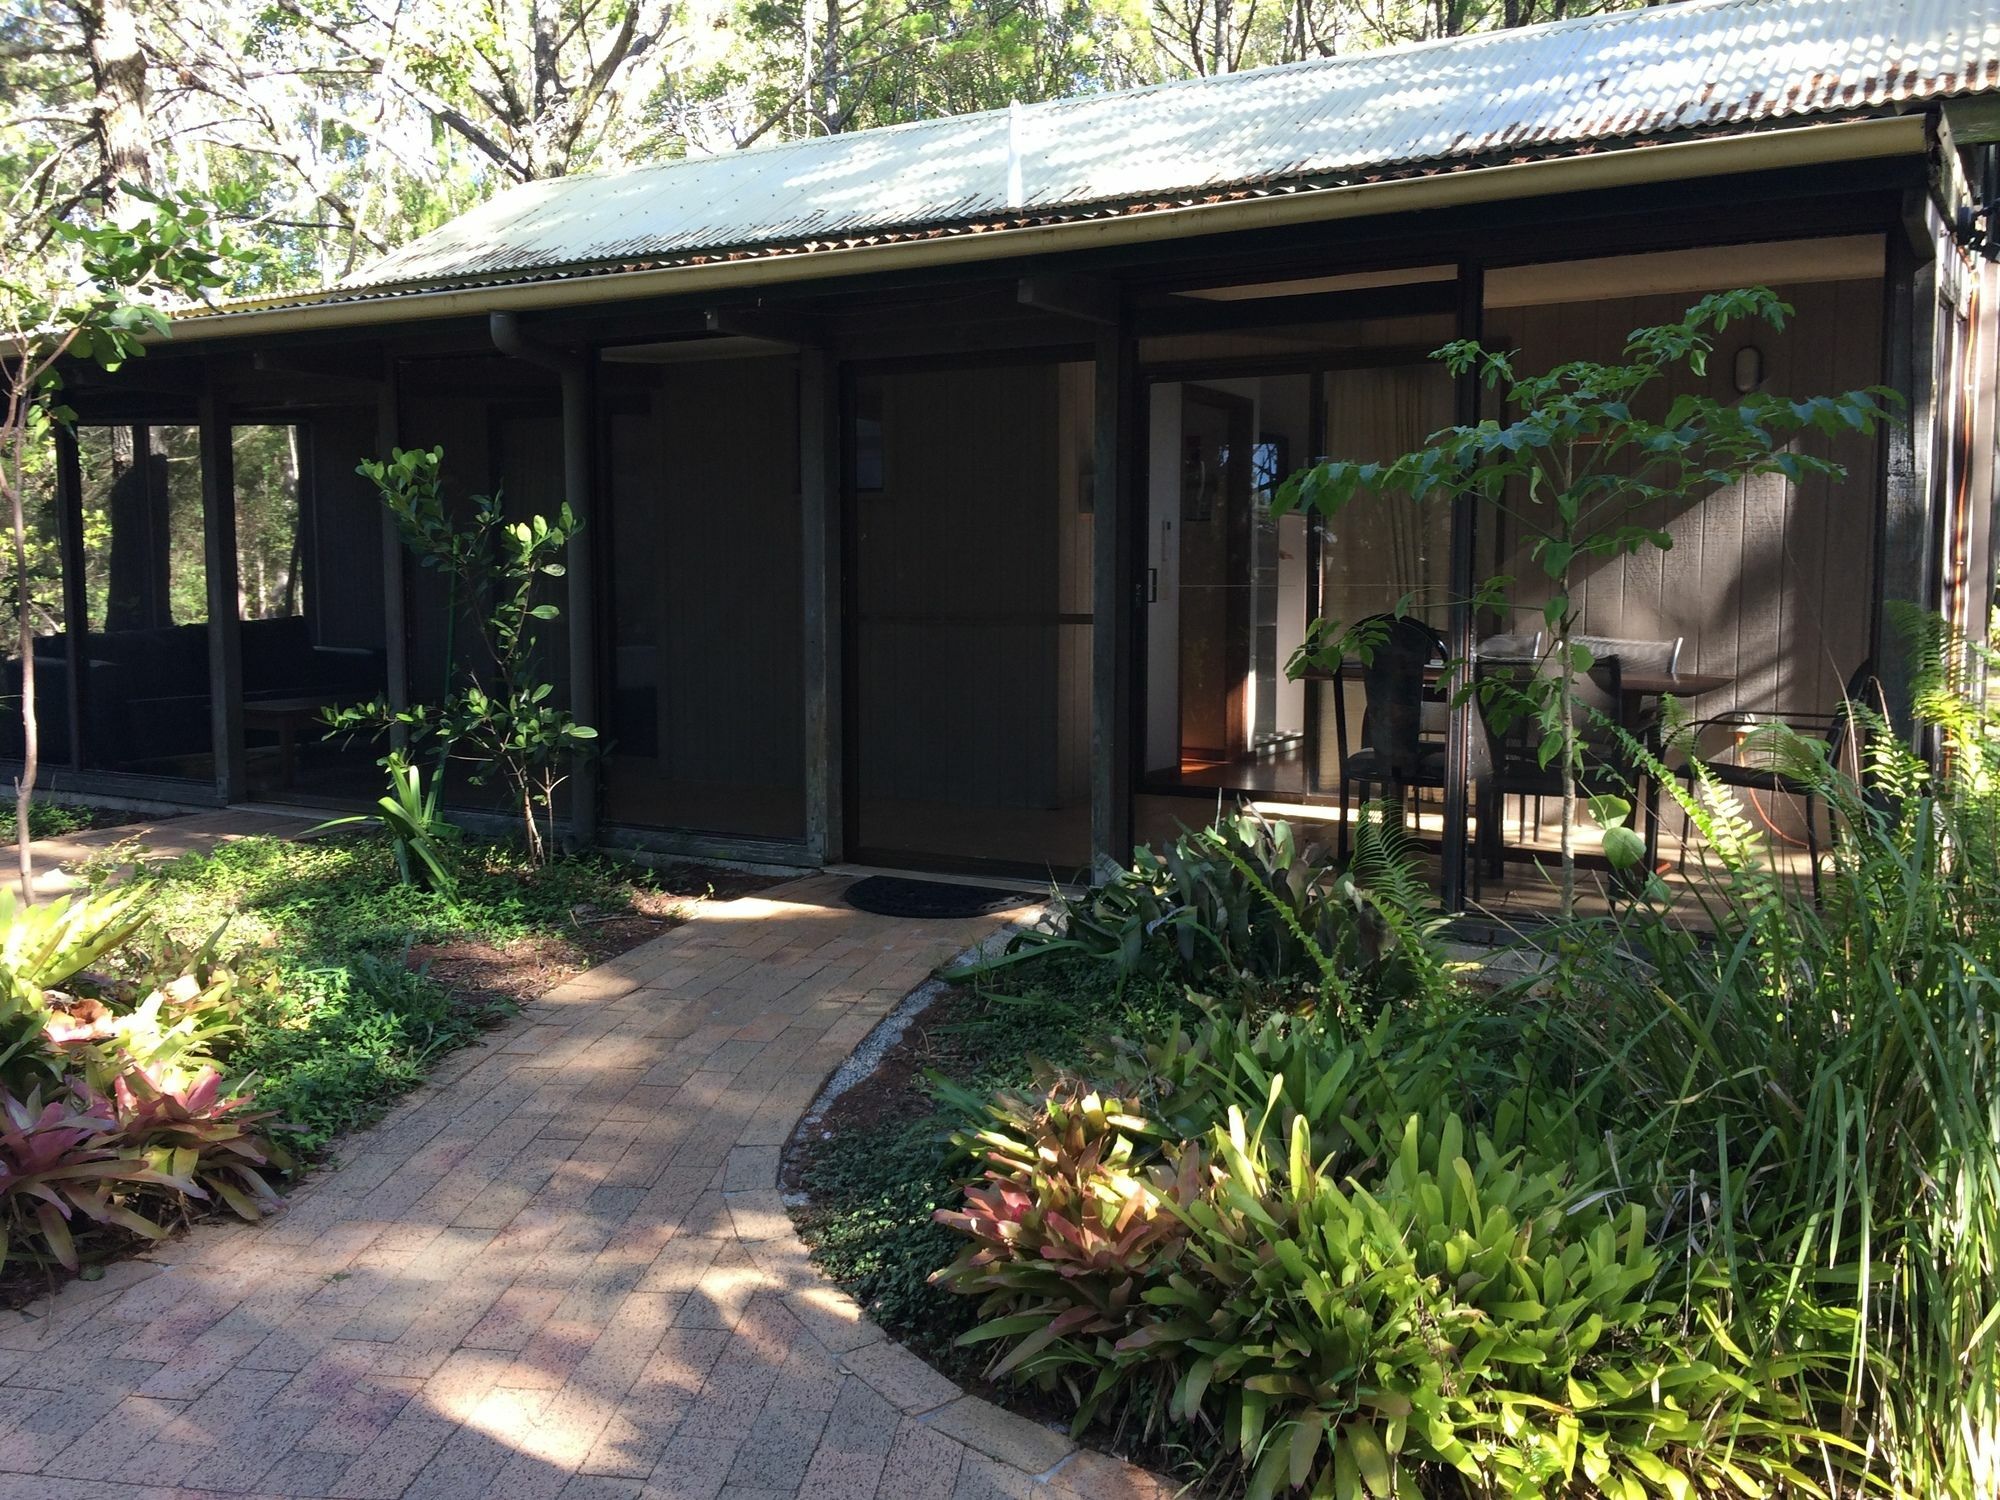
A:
[1590,458]
[1243,903]
[61,1159]
[493,713]
[1261,1254]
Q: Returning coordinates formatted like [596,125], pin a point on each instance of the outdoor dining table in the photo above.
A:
[1636,689]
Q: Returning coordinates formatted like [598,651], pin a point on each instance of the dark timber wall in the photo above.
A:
[1768,581]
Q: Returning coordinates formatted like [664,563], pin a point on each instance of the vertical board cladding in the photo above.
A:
[500,426]
[1767,581]
[525,440]
[705,721]
[957,582]
[343,517]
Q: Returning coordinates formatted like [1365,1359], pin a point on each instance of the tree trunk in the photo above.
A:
[118,106]
[829,71]
[31,740]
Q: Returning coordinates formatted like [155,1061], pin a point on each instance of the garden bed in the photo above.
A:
[867,1174]
[1243,1178]
[56,820]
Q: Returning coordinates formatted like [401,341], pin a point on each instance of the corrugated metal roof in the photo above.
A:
[1705,66]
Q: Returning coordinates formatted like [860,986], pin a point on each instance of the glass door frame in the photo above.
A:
[1461,564]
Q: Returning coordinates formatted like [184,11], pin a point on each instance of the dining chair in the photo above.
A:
[1515,646]
[1636,655]
[1514,765]
[1837,730]
[1397,754]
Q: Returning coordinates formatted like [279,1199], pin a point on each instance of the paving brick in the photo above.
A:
[921,1465]
[692,1468]
[388,1465]
[981,1425]
[514,1318]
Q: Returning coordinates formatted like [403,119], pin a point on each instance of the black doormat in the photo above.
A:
[893,896]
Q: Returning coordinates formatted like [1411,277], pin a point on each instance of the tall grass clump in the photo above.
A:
[1810,1095]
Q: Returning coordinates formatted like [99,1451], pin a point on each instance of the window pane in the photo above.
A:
[146,675]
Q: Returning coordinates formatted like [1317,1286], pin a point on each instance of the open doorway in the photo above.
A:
[1226,584]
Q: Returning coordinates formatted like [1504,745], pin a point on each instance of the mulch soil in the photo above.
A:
[486,974]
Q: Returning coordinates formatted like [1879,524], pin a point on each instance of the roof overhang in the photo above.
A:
[1638,165]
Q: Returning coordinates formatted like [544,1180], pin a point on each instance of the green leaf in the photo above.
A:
[1624,847]
[1371,1458]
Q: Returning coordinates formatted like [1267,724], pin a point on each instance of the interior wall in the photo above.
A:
[1767,580]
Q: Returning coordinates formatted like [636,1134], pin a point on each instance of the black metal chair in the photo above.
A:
[1512,733]
[1521,647]
[1863,690]
[1641,654]
[1399,755]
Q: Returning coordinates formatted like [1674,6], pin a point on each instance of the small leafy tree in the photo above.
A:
[1579,468]
[82,297]
[493,713]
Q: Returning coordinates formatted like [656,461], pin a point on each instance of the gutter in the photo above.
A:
[573,368]
[1770,150]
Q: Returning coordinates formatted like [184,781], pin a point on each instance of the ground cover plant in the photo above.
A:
[54,820]
[1707,1201]
[366,979]
[881,1165]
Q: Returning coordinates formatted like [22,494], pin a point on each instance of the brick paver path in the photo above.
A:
[561,1269]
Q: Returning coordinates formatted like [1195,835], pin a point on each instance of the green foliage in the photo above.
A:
[496,716]
[1342,1294]
[341,1023]
[47,820]
[1591,458]
[137,1125]
[1681,1211]
[1830,1075]
[875,1189]
[342,1040]
[410,819]
[871,1229]
[1240,903]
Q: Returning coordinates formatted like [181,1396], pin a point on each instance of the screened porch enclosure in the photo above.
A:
[1762,603]
[970,506]
[125,663]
